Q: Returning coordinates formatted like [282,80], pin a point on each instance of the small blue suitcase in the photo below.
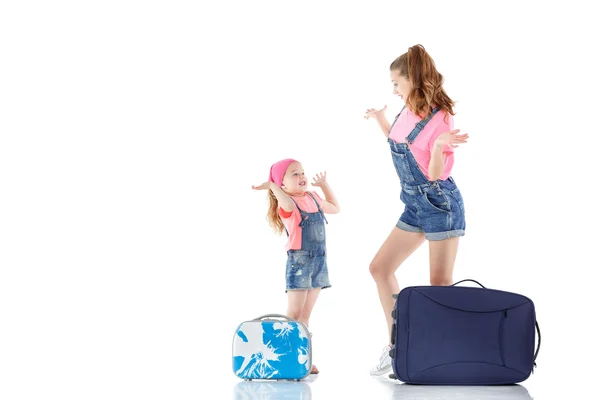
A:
[272,346]
[449,335]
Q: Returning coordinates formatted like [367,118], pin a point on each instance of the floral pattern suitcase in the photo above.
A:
[272,346]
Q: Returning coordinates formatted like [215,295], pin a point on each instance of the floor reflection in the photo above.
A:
[420,392]
[272,390]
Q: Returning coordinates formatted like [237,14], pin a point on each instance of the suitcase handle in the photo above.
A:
[273,316]
[469,280]
[395,295]
[537,350]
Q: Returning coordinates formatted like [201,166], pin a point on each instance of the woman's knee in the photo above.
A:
[440,280]
[379,270]
[374,269]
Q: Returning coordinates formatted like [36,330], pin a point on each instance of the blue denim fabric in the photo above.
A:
[306,268]
[433,207]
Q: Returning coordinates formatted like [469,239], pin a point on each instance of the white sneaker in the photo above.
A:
[385,363]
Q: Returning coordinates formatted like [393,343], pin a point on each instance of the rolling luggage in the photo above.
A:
[272,346]
[449,335]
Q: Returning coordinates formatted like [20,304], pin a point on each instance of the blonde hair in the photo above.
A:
[273,214]
[418,67]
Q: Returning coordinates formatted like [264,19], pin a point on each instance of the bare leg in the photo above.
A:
[311,299]
[396,248]
[296,300]
[309,304]
[442,254]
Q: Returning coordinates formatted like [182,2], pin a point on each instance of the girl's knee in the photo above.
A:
[294,314]
[304,315]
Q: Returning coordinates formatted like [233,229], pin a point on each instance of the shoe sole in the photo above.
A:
[382,371]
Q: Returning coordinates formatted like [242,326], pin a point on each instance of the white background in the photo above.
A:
[131,243]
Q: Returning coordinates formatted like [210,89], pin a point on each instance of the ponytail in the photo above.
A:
[417,66]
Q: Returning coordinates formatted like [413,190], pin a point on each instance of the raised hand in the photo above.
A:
[451,138]
[374,113]
[320,180]
[263,186]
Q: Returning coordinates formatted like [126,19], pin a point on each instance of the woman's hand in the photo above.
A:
[451,138]
[373,113]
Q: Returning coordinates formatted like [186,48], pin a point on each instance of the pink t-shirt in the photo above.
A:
[291,219]
[423,145]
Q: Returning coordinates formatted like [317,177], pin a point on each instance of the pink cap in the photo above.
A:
[278,170]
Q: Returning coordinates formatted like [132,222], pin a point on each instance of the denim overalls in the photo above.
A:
[306,268]
[433,207]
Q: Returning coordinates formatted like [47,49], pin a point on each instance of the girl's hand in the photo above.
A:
[320,180]
[264,186]
[451,138]
[373,113]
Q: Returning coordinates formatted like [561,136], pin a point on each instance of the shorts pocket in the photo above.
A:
[437,202]
[298,257]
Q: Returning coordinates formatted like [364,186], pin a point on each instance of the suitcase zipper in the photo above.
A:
[501,336]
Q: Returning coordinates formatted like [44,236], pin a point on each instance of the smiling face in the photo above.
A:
[294,182]
[402,86]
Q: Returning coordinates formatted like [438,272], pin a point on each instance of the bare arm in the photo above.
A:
[284,201]
[379,115]
[383,124]
[330,205]
[437,162]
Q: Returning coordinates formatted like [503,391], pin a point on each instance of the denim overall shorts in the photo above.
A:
[435,208]
[306,268]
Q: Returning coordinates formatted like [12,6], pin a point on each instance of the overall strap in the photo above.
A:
[318,206]
[301,216]
[419,126]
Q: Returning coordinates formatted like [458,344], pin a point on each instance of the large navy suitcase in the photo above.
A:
[449,335]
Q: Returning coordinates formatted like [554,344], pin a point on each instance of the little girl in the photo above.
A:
[301,213]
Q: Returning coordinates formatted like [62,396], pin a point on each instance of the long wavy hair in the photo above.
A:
[418,67]
[272,214]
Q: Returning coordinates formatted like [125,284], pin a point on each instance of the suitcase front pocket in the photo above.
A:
[503,316]
[442,336]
